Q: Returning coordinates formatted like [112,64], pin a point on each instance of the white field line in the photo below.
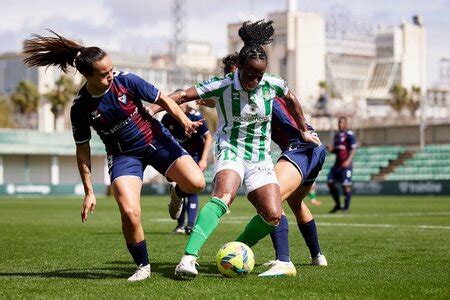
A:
[244,220]
[350,215]
[405,214]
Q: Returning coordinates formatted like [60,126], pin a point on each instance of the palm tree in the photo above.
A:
[62,94]
[5,112]
[399,98]
[414,100]
[26,100]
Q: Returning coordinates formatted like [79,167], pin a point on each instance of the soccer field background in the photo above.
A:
[395,247]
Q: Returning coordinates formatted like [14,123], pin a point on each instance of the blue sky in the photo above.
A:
[144,25]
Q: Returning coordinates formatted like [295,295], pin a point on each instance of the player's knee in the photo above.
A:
[272,217]
[196,184]
[131,216]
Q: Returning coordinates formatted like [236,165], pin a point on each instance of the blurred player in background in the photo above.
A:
[110,102]
[344,146]
[197,145]
[313,196]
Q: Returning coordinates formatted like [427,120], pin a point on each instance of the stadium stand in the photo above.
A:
[31,152]
[431,163]
[38,143]
[367,162]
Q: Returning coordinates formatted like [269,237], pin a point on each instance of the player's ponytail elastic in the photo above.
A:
[254,35]
[60,52]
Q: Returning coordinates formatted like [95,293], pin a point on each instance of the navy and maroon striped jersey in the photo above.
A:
[116,115]
[344,142]
[284,129]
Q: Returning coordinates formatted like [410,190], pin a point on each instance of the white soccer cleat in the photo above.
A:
[319,261]
[178,230]
[141,273]
[176,202]
[269,263]
[186,268]
[279,269]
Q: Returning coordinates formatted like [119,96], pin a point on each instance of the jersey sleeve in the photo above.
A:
[209,89]
[352,139]
[279,84]
[80,126]
[141,88]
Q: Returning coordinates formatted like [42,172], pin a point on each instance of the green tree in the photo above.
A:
[5,112]
[62,94]
[323,85]
[399,98]
[414,100]
[26,101]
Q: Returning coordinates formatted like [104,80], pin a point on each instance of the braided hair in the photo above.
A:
[60,52]
[254,35]
[229,61]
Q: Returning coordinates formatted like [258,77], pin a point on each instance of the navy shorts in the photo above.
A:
[195,156]
[308,161]
[160,154]
[341,175]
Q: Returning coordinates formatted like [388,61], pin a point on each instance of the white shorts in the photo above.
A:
[253,174]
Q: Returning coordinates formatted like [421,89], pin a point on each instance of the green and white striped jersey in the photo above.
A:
[244,117]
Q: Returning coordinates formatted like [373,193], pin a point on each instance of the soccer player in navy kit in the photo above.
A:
[111,103]
[344,147]
[297,169]
[198,146]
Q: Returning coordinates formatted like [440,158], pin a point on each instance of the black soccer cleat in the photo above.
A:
[335,209]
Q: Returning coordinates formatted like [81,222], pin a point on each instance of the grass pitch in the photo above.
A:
[387,247]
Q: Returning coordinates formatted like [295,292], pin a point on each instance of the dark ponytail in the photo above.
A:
[60,52]
[254,35]
[229,62]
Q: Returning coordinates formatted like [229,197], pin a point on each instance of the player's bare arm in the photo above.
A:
[83,154]
[296,111]
[203,162]
[211,103]
[349,160]
[168,104]
[179,97]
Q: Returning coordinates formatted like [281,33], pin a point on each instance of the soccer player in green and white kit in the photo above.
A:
[244,105]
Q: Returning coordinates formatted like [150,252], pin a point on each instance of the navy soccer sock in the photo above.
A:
[309,233]
[192,209]
[280,240]
[348,197]
[139,253]
[180,193]
[335,194]
[180,220]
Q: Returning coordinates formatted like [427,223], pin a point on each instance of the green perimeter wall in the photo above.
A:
[359,188]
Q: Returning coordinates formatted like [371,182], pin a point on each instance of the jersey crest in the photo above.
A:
[123,99]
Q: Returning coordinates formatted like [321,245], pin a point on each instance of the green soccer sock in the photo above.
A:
[207,221]
[255,230]
[312,195]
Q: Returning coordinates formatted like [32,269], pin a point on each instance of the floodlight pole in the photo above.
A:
[422,125]
[178,29]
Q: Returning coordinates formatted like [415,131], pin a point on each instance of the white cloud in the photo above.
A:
[142,25]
